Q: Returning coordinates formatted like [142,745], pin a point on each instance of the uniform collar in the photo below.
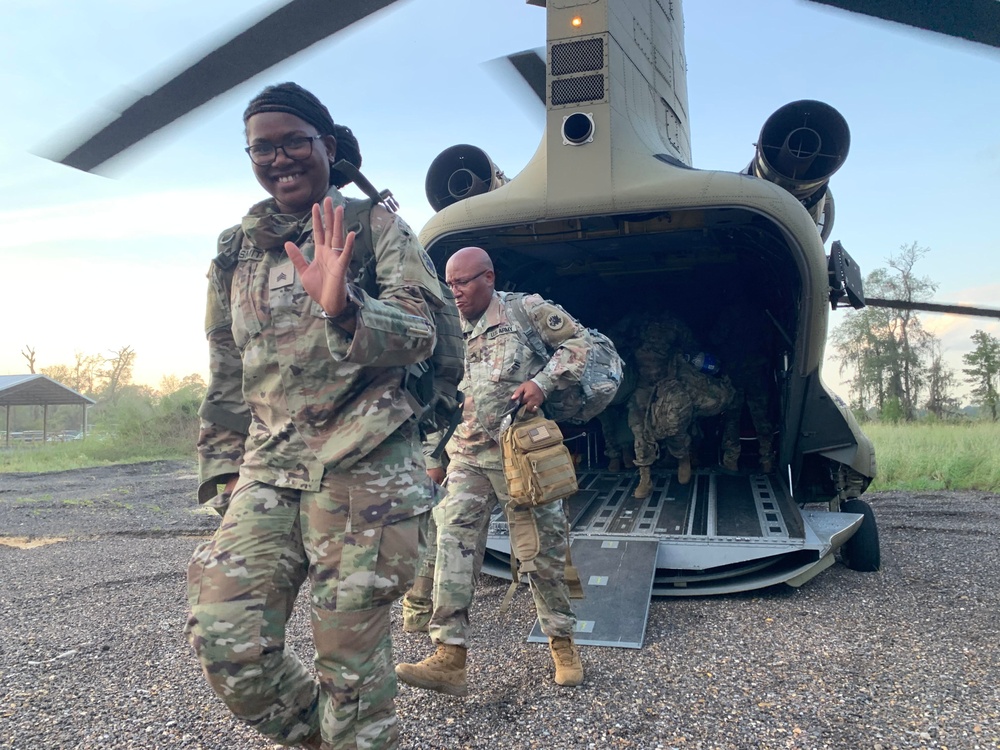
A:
[492,317]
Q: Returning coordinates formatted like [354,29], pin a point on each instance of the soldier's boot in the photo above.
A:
[443,671]
[766,463]
[684,469]
[645,486]
[418,605]
[614,464]
[312,743]
[731,461]
[566,656]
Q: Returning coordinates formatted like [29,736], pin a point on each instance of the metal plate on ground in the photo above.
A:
[617,576]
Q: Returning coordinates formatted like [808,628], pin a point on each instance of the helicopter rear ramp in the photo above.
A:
[721,533]
[616,588]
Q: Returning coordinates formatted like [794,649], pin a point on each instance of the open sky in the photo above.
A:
[99,262]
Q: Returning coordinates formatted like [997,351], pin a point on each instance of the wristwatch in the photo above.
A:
[350,310]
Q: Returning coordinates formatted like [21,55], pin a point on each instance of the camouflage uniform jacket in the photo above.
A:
[317,396]
[498,358]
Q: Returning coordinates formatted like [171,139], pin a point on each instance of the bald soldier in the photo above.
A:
[500,365]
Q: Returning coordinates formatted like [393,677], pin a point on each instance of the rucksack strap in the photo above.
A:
[453,422]
[516,309]
[525,544]
[384,197]
[572,575]
[515,581]
[357,219]
[229,244]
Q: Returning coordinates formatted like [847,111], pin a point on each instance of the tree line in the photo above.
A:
[897,368]
[125,412]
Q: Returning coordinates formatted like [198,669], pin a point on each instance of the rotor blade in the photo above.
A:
[522,77]
[288,30]
[531,67]
[975,20]
[896,304]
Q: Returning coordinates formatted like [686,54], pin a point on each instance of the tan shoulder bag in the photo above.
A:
[537,466]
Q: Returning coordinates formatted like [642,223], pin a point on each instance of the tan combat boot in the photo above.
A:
[731,462]
[566,656]
[614,464]
[645,486]
[417,605]
[684,469]
[443,671]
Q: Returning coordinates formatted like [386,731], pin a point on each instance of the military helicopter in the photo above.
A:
[609,218]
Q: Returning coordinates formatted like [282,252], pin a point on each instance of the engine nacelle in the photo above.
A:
[460,172]
[800,147]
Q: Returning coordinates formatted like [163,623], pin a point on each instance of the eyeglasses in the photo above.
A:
[462,283]
[298,148]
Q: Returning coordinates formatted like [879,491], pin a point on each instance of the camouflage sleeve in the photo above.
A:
[565,335]
[398,327]
[225,418]
[429,445]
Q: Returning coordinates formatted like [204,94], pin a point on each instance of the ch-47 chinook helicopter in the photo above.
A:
[610,219]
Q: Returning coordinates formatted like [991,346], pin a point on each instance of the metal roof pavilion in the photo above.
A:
[38,390]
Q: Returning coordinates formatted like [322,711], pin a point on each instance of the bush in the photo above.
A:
[140,426]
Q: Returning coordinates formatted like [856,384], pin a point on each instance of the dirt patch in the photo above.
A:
[151,498]
[23,542]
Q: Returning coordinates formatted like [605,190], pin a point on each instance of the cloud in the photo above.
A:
[956,330]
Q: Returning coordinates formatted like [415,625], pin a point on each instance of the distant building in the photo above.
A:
[38,390]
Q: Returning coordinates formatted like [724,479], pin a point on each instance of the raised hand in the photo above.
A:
[325,279]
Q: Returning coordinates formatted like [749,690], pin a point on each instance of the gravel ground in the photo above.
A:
[92,654]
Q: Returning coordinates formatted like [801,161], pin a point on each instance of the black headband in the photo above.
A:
[292,99]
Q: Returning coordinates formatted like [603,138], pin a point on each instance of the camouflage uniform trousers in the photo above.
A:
[242,586]
[462,518]
[417,609]
[618,436]
[647,448]
[417,601]
[752,390]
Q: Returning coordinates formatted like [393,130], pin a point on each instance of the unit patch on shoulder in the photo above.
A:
[428,263]
[553,323]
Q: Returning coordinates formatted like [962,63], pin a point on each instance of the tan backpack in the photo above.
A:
[537,466]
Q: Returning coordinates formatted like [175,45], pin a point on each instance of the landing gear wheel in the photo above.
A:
[861,552]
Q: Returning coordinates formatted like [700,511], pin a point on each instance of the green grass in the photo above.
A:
[942,456]
[926,456]
[80,454]
[29,500]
